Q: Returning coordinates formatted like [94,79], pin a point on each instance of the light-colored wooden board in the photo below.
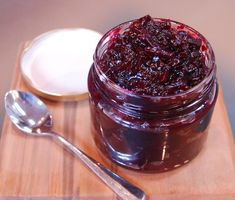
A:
[38,167]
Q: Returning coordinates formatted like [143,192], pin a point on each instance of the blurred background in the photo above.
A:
[25,19]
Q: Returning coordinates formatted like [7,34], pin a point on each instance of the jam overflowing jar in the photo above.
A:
[152,90]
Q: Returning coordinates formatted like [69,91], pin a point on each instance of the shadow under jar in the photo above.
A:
[150,133]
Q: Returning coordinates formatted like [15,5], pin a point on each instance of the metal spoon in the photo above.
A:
[31,116]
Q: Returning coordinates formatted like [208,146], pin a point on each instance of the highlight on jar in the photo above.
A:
[152,89]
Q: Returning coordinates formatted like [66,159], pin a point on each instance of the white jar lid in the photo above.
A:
[56,64]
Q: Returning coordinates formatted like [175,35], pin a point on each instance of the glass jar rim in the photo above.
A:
[127,92]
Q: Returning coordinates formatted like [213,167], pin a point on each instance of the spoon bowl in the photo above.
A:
[30,115]
[27,112]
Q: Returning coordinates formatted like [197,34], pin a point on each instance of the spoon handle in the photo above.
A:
[123,189]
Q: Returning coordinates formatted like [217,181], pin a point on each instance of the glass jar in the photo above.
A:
[150,133]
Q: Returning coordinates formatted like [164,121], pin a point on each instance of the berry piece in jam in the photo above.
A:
[154,58]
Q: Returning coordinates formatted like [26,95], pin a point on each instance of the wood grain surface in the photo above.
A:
[38,168]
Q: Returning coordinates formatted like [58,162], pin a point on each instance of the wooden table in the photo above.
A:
[39,168]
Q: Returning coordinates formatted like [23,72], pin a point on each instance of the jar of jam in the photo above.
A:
[152,90]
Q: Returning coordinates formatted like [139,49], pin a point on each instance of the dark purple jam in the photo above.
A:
[152,93]
[154,58]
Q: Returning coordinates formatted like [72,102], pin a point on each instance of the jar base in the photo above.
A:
[142,164]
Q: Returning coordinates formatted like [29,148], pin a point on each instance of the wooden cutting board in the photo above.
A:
[39,168]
